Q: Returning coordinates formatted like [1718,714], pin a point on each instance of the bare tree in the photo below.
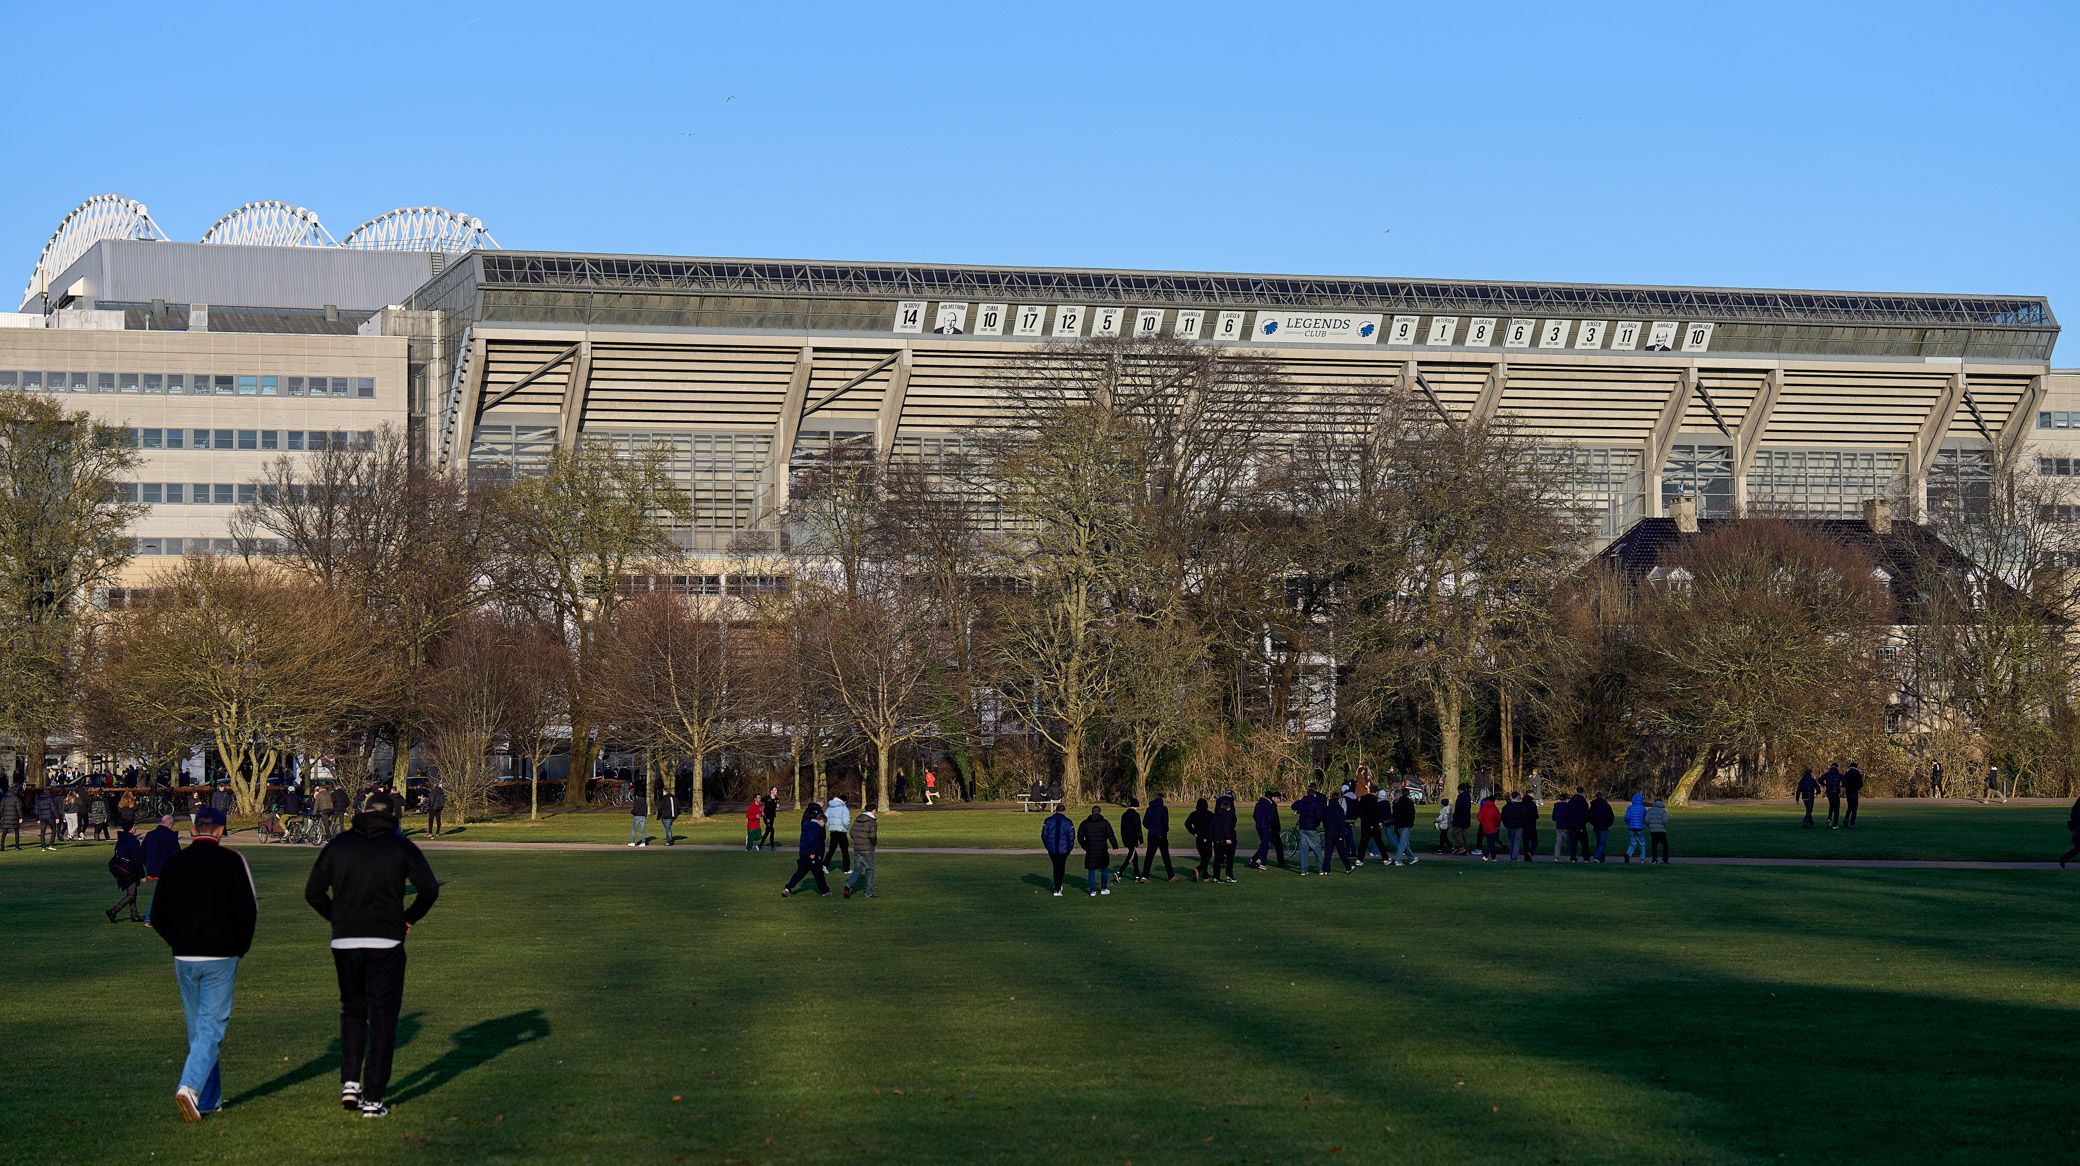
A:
[565,539]
[1167,693]
[676,681]
[266,666]
[874,651]
[62,534]
[476,688]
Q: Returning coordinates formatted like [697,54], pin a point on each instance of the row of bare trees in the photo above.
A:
[1154,563]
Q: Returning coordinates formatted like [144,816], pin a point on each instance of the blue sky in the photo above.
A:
[1889,146]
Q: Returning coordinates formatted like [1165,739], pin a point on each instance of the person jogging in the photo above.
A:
[1058,838]
[1808,789]
[1270,831]
[127,865]
[436,805]
[808,856]
[866,834]
[1129,837]
[769,809]
[205,909]
[1097,840]
[1156,824]
[358,885]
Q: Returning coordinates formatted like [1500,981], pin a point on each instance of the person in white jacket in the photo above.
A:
[837,819]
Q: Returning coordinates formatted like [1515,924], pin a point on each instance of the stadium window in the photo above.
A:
[2061,420]
[339,386]
[220,494]
[224,386]
[154,438]
[270,386]
[249,439]
[248,386]
[295,437]
[269,438]
[78,382]
[126,382]
[174,438]
[32,381]
[129,491]
[6,378]
[269,492]
[176,382]
[176,492]
[154,493]
[246,493]
[105,383]
[317,440]
[154,382]
[365,386]
[2044,420]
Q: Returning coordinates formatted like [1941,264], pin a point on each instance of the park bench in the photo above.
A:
[1027,802]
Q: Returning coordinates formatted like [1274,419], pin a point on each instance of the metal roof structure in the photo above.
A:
[104,216]
[772,277]
[421,228]
[270,224]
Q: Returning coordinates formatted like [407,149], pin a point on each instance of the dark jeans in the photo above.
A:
[1849,819]
[433,822]
[1339,846]
[1834,809]
[371,991]
[1530,843]
[48,832]
[128,901]
[1205,858]
[1578,844]
[1809,811]
[1126,866]
[840,840]
[810,864]
[1061,863]
[15,830]
[1269,843]
[1148,858]
[1602,838]
[1373,837]
[766,839]
[1224,859]
[1657,843]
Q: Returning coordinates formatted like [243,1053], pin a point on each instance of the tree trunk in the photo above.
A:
[1507,715]
[794,770]
[881,752]
[400,759]
[819,787]
[1072,765]
[698,791]
[39,748]
[1688,782]
[584,753]
[1144,760]
[534,789]
[1451,704]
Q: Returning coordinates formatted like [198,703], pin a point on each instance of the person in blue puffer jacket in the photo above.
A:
[1636,828]
[1058,835]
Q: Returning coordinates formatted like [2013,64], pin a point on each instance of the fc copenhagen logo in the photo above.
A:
[1365,330]
[1270,326]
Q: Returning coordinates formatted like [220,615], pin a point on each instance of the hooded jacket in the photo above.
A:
[1334,818]
[1657,818]
[1462,809]
[359,879]
[1097,840]
[1157,820]
[206,905]
[1832,779]
[1307,812]
[1512,816]
[1577,813]
[1600,816]
[1636,813]
[810,844]
[1130,827]
[1224,819]
[1490,816]
[1807,787]
[1265,816]
[1199,823]
[1404,812]
[638,801]
[1058,833]
[866,830]
[837,818]
[1369,808]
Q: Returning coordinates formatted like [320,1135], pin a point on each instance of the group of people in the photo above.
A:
[62,815]
[205,906]
[1582,823]
[1840,786]
[828,831]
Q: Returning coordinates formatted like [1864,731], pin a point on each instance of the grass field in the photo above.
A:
[1888,830]
[617,1007]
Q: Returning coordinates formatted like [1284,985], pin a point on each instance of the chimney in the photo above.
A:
[1877,514]
[1684,511]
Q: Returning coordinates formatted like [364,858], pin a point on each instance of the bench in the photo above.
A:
[1027,802]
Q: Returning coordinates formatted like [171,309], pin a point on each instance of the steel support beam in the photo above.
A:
[857,381]
[892,407]
[1929,438]
[1748,439]
[575,391]
[533,375]
[1489,402]
[785,426]
[1663,438]
[468,405]
[2020,421]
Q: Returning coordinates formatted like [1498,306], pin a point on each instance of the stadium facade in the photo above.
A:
[1793,401]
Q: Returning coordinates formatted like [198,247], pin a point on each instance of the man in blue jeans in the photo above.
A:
[1309,814]
[205,909]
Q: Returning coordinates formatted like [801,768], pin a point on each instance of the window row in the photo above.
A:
[156,545]
[2058,420]
[2059,467]
[199,384]
[296,440]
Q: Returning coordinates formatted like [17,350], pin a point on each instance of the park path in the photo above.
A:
[1014,852]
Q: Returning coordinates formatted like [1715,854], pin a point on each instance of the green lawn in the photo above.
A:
[1935,830]
[560,1002]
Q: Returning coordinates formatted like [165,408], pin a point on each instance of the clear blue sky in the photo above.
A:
[1892,146]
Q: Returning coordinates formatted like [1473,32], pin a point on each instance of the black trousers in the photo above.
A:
[810,864]
[1338,846]
[1268,843]
[1809,811]
[48,831]
[433,822]
[1578,842]
[1148,858]
[1126,868]
[1849,818]
[1834,809]
[129,900]
[371,991]
[1657,845]
[1061,863]
[766,839]
[1224,859]
[839,840]
[1373,836]
[15,830]
[1203,870]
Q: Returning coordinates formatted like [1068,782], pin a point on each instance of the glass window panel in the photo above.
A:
[296,386]
[270,386]
[6,378]
[223,385]
[175,438]
[176,382]
[339,386]
[105,382]
[220,493]
[126,382]
[245,493]
[226,439]
[176,492]
[154,493]
[248,386]
[269,438]
[154,382]
[365,386]
[295,437]
[32,381]
[154,438]
[249,439]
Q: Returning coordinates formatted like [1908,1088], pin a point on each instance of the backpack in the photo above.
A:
[124,870]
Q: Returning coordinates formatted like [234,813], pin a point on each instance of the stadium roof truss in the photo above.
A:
[270,224]
[421,228]
[104,216]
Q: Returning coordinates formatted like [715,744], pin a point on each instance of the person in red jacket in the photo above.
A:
[754,823]
[1491,825]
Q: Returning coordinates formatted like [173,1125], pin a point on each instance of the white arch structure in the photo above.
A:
[421,228]
[104,216]
[270,224]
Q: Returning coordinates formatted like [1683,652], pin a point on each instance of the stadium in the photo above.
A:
[1799,402]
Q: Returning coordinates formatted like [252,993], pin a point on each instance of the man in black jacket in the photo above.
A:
[770,805]
[1129,837]
[638,814]
[1404,820]
[205,909]
[1157,824]
[1852,789]
[1270,831]
[1600,820]
[1224,838]
[436,803]
[1578,827]
[1371,816]
[358,884]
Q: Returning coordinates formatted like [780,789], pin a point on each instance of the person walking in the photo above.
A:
[1578,827]
[1490,819]
[1462,821]
[866,834]
[97,815]
[808,852]
[1808,789]
[1601,819]
[1270,831]
[46,807]
[436,806]
[668,810]
[1372,817]
[1935,779]
[1307,816]
[1403,827]
[1336,832]
[160,845]
[1657,832]
[205,910]
[1636,828]
[1058,838]
[11,815]
[769,809]
[1512,820]
[358,886]
[638,814]
[837,831]
[902,787]
[1199,824]
[1224,838]
[1831,781]
[2073,828]
[1530,826]
[1156,824]
[1993,786]
[1129,836]
[127,865]
[71,809]
[1096,837]
[1852,794]
[754,822]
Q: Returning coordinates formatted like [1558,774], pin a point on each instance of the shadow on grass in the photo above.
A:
[318,1066]
[474,1046]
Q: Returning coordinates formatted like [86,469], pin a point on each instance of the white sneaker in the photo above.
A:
[1106,891]
[631,844]
[1057,894]
[1411,860]
[188,1103]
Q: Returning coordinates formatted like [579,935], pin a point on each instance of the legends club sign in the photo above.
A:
[1314,328]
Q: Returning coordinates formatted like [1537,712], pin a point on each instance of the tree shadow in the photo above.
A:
[474,1046]
[1044,882]
[318,1066]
